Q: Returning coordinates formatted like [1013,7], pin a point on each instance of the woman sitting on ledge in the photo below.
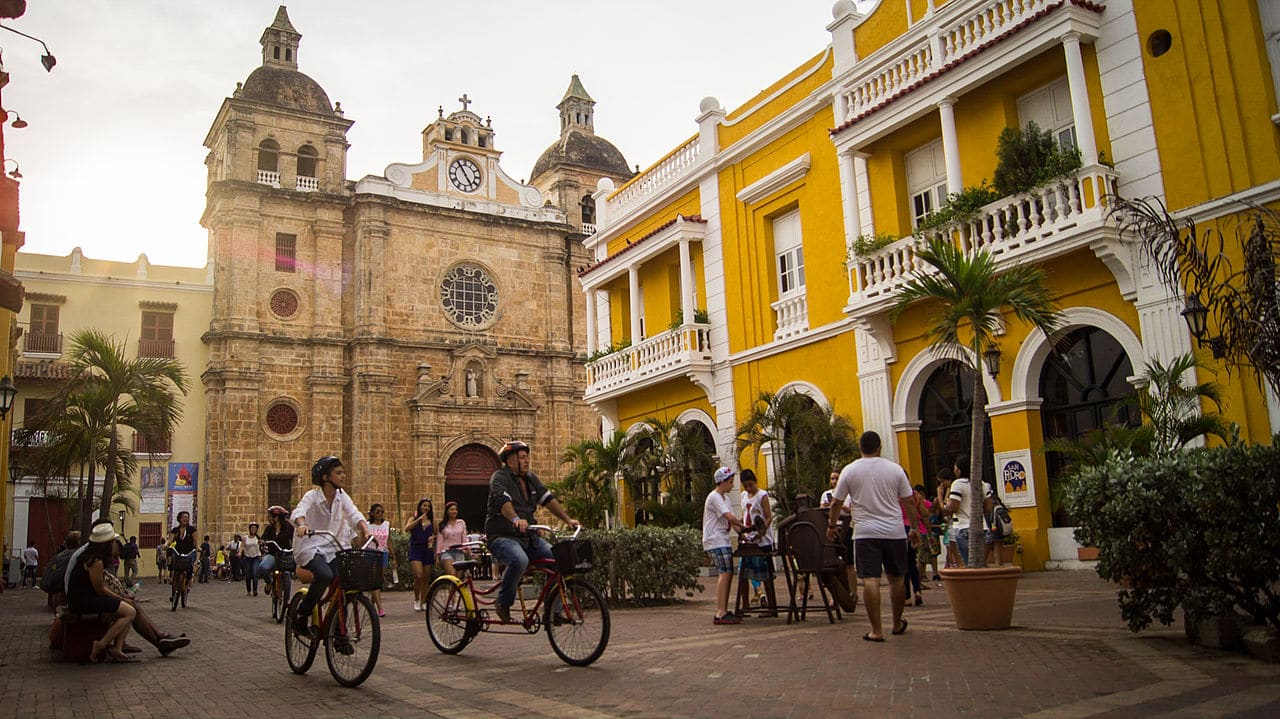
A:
[88,594]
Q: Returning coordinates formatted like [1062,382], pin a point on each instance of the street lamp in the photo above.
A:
[1197,316]
[16,471]
[122,521]
[7,393]
[16,172]
[991,358]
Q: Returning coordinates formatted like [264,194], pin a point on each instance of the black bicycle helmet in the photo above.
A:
[514,445]
[322,468]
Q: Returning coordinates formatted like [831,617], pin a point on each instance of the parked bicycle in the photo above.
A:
[281,579]
[180,585]
[571,609]
[344,620]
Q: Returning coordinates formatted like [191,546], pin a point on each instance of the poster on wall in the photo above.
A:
[151,486]
[1013,475]
[183,480]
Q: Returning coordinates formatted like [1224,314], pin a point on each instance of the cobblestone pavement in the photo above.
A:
[1068,656]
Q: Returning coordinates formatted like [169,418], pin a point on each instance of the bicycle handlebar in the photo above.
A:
[182,554]
[279,548]
[550,530]
[334,538]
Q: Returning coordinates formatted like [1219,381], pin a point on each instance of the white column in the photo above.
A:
[849,197]
[593,339]
[686,282]
[633,276]
[950,144]
[1079,99]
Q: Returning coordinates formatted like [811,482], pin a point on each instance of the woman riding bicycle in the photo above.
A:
[329,508]
[280,531]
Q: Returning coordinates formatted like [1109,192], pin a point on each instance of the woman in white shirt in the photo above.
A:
[326,508]
[250,557]
[380,528]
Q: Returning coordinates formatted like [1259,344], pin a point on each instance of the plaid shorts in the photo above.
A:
[722,559]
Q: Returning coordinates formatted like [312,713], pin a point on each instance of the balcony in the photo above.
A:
[42,344]
[308,184]
[791,315]
[156,348]
[269,177]
[588,228]
[28,439]
[682,352]
[159,446]
[1034,226]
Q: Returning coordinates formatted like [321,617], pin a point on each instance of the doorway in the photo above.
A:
[466,481]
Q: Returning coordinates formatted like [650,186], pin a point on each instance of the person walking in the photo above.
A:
[717,519]
[421,530]
[30,562]
[881,494]
[233,552]
[380,528]
[206,556]
[453,532]
[162,561]
[250,558]
[129,557]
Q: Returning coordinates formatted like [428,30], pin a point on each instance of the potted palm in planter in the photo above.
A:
[969,296]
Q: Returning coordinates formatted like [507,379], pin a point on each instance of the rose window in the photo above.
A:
[469,296]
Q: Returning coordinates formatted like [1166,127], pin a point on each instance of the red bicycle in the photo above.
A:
[571,609]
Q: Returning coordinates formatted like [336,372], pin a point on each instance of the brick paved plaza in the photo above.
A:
[1069,656]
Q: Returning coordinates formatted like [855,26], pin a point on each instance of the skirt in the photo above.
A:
[420,553]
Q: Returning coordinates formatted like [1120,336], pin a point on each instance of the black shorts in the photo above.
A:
[872,554]
[96,604]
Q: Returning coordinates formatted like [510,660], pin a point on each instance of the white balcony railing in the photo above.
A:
[667,172]
[588,228]
[1009,227]
[917,55]
[268,177]
[792,316]
[308,184]
[25,438]
[658,358]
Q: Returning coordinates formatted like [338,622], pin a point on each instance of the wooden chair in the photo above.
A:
[808,556]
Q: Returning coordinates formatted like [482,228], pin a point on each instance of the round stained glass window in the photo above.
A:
[469,296]
[284,304]
[282,418]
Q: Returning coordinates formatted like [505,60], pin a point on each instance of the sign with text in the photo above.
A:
[183,481]
[1013,475]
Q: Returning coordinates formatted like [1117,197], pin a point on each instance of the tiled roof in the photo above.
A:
[631,245]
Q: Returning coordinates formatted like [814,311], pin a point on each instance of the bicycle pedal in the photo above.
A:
[343,646]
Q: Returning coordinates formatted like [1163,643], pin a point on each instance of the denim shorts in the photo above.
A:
[722,559]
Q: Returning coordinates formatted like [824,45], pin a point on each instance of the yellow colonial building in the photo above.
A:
[764,253]
[153,311]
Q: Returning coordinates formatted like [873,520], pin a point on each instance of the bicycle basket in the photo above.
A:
[285,563]
[573,556]
[360,570]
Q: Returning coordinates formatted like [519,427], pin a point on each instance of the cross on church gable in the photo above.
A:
[465,101]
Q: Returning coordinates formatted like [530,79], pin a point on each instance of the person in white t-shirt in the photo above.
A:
[757,570]
[380,529]
[958,506]
[881,494]
[717,520]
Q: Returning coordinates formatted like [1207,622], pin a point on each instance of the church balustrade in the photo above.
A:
[269,177]
[308,184]
[668,355]
[1043,223]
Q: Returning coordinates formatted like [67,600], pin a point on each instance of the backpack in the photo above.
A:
[53,581]
[1001,520]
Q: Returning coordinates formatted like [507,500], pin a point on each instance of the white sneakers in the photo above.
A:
[417,606]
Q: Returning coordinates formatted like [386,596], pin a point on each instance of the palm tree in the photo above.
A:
[969,296]
[671,458]
[808,443]
[588,488]
[108,391]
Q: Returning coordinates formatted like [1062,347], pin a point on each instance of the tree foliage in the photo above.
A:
[1028,157]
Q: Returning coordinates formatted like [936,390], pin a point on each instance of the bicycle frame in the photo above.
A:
[475,599]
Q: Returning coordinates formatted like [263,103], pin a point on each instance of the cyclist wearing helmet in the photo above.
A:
[329,508]
[280,531]
[514,494]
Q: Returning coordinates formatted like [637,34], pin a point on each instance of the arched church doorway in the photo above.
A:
[466,481]
[946,407]
[1085,387]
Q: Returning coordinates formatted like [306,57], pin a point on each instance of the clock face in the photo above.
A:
[465,175]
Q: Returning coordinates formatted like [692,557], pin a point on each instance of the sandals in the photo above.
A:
[868,638]
[729,618]
[900,630]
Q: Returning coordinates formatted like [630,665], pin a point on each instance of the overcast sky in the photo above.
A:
[112,160]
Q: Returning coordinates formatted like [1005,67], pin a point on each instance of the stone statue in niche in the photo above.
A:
[473,389]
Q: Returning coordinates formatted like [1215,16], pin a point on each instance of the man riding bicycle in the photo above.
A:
[515,494]
[326,508]
[183,540]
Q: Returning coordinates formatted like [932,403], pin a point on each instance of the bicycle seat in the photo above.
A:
[463,565]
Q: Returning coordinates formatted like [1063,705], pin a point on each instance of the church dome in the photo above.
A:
[286,87]
[586,150]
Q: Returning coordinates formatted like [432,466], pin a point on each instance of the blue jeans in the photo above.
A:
[251,573]
[266,567]
[509,552]
[962,542]
[324,572]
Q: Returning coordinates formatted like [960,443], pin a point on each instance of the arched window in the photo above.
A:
[307,161]
[1085,387]
[269,156]
[946,419]
[588,205]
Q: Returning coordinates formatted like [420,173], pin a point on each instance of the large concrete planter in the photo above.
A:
[982,598]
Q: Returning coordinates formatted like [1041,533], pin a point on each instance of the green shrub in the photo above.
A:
[1198,529]
[645,564]
[961,207]
[1030,157]
[866,245]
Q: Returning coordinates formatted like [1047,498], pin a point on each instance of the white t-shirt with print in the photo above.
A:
[960,493]
[875,485]
[381,535]
[751,508]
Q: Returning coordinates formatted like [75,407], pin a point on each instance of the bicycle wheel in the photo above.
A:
[277,601]
[174,592]
[577,622]
[449,624]
[354,638]
[300,651]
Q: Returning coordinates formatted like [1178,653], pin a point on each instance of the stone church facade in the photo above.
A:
[409,323]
